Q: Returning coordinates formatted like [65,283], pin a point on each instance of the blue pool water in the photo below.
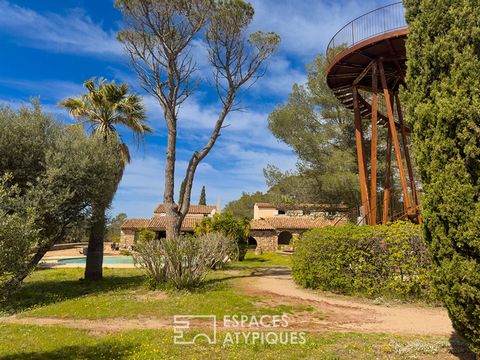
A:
[106,260]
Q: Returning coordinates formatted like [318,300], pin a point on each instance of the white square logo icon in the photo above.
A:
[182,323]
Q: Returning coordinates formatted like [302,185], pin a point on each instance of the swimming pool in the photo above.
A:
[106,260]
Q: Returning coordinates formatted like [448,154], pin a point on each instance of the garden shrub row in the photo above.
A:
[384,260]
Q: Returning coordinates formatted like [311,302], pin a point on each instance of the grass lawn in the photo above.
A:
[35,342]
[59,294]
[268,259]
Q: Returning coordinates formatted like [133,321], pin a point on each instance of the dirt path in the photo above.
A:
[344,313]
[275,287]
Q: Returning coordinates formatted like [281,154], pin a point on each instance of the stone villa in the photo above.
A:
[271,226]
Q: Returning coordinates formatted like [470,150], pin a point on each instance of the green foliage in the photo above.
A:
[243,207]
[107,105]
[184,261]
[181,194]
[56,174]
[114,225]
[228,225]
[104,108]
[149,255]
[18,233]
[443,79]
[145,235]
[322,133]
[203,197]
[383,260]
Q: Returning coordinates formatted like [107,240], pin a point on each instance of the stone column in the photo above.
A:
[127,238]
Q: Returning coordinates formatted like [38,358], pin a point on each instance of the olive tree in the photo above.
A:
[159,36]
[52,174]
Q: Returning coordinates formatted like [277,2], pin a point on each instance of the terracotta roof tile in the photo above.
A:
[265,205]
[298,222]
[260,224]
[286,222]
[158,223]
[194,209]
[135,223]
[306,206]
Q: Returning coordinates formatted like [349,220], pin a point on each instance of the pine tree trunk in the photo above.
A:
[173,223]
[93,267]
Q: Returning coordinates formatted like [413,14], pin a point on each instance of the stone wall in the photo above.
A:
[127,238]
[267,240]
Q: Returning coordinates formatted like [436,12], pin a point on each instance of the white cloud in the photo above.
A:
[74,33]
[280,76]
[51,89]
[306,26]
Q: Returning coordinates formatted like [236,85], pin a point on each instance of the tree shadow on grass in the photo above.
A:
[107,350]
[460,348]
[43,292]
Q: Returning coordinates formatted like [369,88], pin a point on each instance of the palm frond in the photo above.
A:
[107,104]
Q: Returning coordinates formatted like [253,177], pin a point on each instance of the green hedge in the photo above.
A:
[383,260]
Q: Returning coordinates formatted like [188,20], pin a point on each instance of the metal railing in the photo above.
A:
[376,22]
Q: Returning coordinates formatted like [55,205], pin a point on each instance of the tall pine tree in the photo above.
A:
[443,81]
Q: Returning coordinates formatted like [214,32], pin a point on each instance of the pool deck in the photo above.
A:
[51,257]
[51,262]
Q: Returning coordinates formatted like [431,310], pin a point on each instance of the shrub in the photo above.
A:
[228,225]
[149,255]
[145,235]
[443,111]
[184,261]
[387,260]
[221,249]
[115,239]
[18,236]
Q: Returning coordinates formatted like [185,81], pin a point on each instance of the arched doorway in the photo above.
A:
[252,243]
[284,238]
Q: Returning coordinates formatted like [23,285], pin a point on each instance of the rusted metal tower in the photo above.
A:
[366,67]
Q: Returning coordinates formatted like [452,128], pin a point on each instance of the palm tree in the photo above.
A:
[102,109]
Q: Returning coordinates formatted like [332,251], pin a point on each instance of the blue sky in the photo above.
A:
[49,47]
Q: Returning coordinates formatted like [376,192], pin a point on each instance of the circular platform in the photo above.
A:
[379,34]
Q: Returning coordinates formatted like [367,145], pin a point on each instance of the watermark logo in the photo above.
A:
[237,329]
[181,323]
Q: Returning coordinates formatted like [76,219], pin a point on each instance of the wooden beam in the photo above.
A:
[363,73]
[386,186]
[373,176]
[406,151]
[393,129]
[361,155]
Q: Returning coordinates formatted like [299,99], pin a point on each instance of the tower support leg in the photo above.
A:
[373,176]
[386,187]
[396,144]
[361,155]
[407,154]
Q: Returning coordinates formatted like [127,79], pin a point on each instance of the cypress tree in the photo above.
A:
[181,193]
[443,102]
[203,197]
